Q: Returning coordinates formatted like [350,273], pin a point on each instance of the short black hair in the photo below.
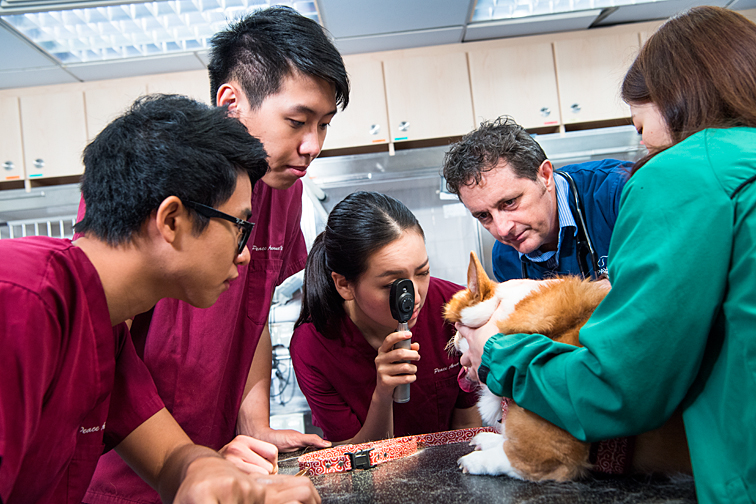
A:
[164,145]
[262,48]
[481,150]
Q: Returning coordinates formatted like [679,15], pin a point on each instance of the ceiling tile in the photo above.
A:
[654,10]
[35,77]
[743,4]
[19,54]
[389,42]
[136,66]
[352,18]
[204,56]
[519,27]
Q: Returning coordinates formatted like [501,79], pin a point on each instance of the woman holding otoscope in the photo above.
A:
[344,348]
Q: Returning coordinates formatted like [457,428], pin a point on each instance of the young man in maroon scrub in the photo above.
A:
[278,72]
[169,186]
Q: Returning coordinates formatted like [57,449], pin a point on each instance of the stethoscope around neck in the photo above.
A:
[583,244]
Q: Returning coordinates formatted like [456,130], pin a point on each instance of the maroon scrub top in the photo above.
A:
[338,376]
[200,358]
[71,385]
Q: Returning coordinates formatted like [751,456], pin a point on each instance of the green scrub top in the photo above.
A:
[678,328]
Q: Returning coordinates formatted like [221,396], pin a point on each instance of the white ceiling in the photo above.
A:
[357,26]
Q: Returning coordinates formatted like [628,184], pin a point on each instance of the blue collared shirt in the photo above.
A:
[566,225]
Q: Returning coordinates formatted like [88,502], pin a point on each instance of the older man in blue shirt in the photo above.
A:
[546,222]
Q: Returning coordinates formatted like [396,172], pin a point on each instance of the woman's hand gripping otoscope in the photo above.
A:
[402,303]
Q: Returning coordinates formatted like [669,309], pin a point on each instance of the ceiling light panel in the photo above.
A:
[490,10]
[137,29]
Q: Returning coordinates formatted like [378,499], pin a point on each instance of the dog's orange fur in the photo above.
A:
[536,448]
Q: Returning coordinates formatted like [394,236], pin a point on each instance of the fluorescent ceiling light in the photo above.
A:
[139,29]
[489,10]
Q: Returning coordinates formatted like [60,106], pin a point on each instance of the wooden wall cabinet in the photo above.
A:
[54,131]
[413,94]
[590,69]
[517,80]
[194,84]
[11,151]
[364,121]
[428,94]
[106,100]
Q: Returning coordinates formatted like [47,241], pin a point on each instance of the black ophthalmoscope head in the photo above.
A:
[402,299]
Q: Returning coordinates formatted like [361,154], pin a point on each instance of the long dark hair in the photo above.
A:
[358,226]
[699,69]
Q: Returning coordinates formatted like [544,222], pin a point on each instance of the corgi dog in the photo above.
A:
[529,447]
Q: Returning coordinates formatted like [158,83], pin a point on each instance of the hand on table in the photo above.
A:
[288,440]
[211,480]
[251,455]
[282,489]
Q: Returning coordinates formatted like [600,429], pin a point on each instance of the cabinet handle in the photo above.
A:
[575,108]
[39,163]
[375,129]
[8,165]
[545,111]
[404,126]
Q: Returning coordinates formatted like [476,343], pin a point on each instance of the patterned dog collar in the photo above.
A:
[366,455]
[612,456]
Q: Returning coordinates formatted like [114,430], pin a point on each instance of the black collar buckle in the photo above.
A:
[361,459]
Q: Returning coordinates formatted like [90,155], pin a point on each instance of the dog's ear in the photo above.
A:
[477,280]
[472,275]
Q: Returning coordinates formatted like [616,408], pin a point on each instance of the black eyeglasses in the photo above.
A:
[244,227]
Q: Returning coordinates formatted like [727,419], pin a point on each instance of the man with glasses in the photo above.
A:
[71,383]
[278,72]
[245,227]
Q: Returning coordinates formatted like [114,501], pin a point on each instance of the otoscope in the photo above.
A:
[402,303]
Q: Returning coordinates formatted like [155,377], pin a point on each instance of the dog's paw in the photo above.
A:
[492,461]
[486,440]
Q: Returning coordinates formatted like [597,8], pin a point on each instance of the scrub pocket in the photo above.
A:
[81,469]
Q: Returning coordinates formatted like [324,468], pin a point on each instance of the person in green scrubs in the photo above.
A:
[678,329]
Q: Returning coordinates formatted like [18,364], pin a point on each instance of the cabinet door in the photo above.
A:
[54,132]
[364,122]
[590,70]
[194,84]
[516,80]
[106,102]
[428,95]
[11,153]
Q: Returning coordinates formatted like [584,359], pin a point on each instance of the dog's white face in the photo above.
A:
[485,314]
